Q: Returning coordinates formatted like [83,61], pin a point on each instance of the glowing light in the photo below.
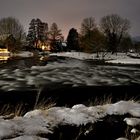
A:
[4,58]
[4,54]
[43,47]
[4,51]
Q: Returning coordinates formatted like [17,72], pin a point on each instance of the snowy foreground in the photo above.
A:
[120,58]
[110,122]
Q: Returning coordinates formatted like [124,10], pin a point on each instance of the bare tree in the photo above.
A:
[55,36]
[87,26]
[11,26]
[114,28]
[91,39]
[55,32]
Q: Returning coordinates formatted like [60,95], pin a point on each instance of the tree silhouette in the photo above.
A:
[55,37]
[11,26]
[10,43]
[73,40]
[115,28]
[91,39]
[37,32]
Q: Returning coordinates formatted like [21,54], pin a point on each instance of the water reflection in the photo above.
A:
[4,58]
[31,73]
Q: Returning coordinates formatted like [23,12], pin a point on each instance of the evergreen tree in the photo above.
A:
[73,40]
[37,32]
[31,37]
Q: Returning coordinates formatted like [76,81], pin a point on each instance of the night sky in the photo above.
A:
[70,13]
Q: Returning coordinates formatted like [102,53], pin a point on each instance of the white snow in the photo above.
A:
[134,130]
[36,112]
[39,122]
[77,55]
[121,139]
[120,58]
[29,138]
[23,54]
[8,128]
[125,61]
[132,121]
[123,107]
[80,114]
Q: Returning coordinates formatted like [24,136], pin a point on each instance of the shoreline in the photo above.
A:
[69,96]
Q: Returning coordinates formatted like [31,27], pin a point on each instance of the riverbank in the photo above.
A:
[108,121]
[119,58]
[86,99]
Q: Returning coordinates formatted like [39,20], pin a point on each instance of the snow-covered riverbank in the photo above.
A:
[110,121]
[119,58]
[23,54]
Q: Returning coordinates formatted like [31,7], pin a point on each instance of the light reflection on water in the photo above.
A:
[27,73]
[4,58]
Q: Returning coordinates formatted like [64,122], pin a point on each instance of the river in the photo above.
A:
[67,76]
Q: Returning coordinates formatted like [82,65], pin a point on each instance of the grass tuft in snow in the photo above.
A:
[129,135]
[10,111]
[100,101]
[45,104]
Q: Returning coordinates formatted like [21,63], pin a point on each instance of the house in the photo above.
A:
[44,46]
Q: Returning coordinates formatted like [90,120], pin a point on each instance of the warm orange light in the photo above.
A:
[4,58]
[4,54]
[45,47]
[4,51]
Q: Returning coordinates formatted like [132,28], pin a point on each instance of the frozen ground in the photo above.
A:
[110,121]
[44,124]
[22,54]
[119,58]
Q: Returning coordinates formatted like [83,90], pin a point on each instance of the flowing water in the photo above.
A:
[32,74]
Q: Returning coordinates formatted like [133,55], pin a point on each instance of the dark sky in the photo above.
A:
[70,13]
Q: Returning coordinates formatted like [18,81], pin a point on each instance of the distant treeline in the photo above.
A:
[111,34]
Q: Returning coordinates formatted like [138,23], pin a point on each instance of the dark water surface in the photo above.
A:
[69,79]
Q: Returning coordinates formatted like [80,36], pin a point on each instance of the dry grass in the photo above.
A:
[9,111]
[45,104]
[129,135]
[109,100]
[100,101]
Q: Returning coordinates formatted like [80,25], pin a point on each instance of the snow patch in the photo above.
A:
[42,122]
[23,54]
[29,138]
[132,121]
[119,58]
[123,107]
